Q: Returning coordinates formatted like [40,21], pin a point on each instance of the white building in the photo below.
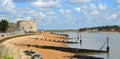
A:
[28,25]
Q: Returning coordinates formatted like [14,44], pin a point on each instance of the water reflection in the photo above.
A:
[96,41]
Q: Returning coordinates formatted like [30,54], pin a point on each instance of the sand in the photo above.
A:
[45,53]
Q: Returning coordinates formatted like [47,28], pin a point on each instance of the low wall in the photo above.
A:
[7,37]
[4,38]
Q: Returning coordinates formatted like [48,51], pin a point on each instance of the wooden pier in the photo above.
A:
[86,57]
[59,41]
[67,49]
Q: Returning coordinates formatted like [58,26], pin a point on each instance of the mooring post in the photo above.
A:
[80,39]
[108,56]
[107,44]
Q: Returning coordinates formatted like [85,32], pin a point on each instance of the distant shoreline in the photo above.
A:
[112,28]
[82,31]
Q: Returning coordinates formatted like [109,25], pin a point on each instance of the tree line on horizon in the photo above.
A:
[4,25]
[115,28]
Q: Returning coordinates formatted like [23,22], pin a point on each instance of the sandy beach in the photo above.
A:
[20,43]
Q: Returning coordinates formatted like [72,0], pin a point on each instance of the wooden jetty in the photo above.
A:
[59,41]
[86,57]
[67,49]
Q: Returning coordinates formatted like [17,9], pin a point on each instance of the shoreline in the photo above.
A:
[45,53]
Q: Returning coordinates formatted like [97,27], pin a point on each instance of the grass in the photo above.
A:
[5,57]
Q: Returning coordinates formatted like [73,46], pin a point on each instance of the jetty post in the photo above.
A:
[107,44]
[80,39]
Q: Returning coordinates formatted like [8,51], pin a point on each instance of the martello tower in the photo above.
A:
[27,25]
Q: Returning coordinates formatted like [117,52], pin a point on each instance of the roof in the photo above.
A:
[26,21]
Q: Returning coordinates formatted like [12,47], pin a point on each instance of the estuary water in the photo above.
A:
[95,40]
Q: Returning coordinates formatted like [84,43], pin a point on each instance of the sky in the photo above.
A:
[62,14]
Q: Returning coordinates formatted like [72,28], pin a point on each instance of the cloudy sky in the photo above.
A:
[62,14]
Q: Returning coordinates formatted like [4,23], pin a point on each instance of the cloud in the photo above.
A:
[93,6]
[6,4]
[111,17]
[102,6]
[21,1]
[81,2]
[68,11]
[51,13]
[7,7]
[29,13]
[65,11]
[18,19]
[61,10]
[117,1]
[46,3]
[97,0]
[42,15]
[77,9]
[78,1]
[94,12]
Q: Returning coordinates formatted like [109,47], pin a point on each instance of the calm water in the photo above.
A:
[96,40]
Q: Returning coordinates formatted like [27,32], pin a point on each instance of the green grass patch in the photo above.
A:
[5,57]
[9,57]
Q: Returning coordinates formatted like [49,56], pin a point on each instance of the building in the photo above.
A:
[12,27]
[27,25]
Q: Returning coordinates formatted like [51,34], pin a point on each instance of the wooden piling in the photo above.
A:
[107,44]
[80,39]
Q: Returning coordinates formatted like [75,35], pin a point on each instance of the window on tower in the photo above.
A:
[22,27]
[30,27]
